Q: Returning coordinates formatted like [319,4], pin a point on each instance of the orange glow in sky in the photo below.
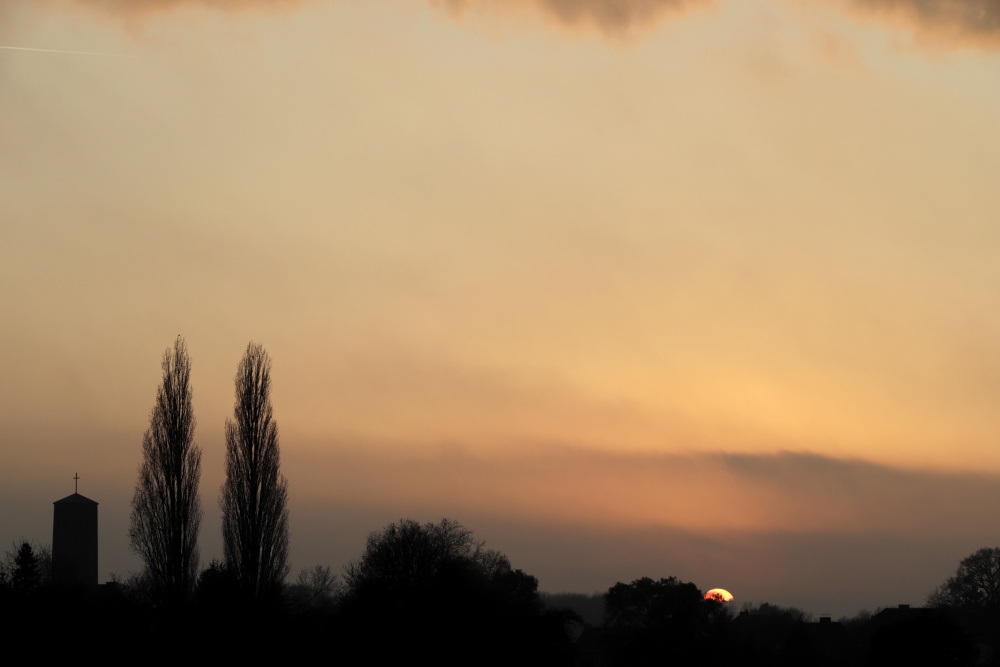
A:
[611,279]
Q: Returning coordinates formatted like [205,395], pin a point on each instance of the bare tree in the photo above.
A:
[976,583]
[318,582]
[315,588]
[255,495]
[166,509]
[405,556]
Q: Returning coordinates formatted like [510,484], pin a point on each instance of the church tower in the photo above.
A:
[74,541]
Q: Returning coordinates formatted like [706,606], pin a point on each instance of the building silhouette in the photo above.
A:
[74,541]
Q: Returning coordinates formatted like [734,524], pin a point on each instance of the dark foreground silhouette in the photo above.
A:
[432,594]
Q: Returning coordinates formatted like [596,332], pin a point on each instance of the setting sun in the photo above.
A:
[720,594]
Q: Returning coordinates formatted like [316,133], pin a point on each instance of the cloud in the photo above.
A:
[699,492]
[948,22]
[830,535]
[611,16]
[966,22]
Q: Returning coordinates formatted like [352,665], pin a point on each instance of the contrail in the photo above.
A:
[83,53]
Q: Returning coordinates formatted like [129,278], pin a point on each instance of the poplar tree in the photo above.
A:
[166,509]
[254,496]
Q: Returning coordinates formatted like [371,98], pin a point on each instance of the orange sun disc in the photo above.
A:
[719,594]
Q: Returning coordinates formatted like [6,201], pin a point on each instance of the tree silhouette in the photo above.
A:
[25,571]
[432,593]
[318,583]
[255,495]
[668,621]
[976,583]
[26,566]
[405,556]
[166,509]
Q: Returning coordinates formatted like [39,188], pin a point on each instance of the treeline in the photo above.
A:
[434,594]
[418,592]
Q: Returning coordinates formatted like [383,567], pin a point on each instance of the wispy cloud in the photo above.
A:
[82,53]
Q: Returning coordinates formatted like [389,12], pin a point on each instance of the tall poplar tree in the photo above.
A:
[166,509]
[255,495]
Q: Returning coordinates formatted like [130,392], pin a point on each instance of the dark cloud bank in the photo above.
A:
[851,534]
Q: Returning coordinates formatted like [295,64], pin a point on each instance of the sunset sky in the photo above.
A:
[705,289]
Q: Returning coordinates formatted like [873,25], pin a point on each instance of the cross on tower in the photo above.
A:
[76,482]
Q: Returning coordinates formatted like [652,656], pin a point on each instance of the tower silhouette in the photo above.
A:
[74,541]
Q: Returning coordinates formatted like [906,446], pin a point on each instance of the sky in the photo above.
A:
[688,288]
